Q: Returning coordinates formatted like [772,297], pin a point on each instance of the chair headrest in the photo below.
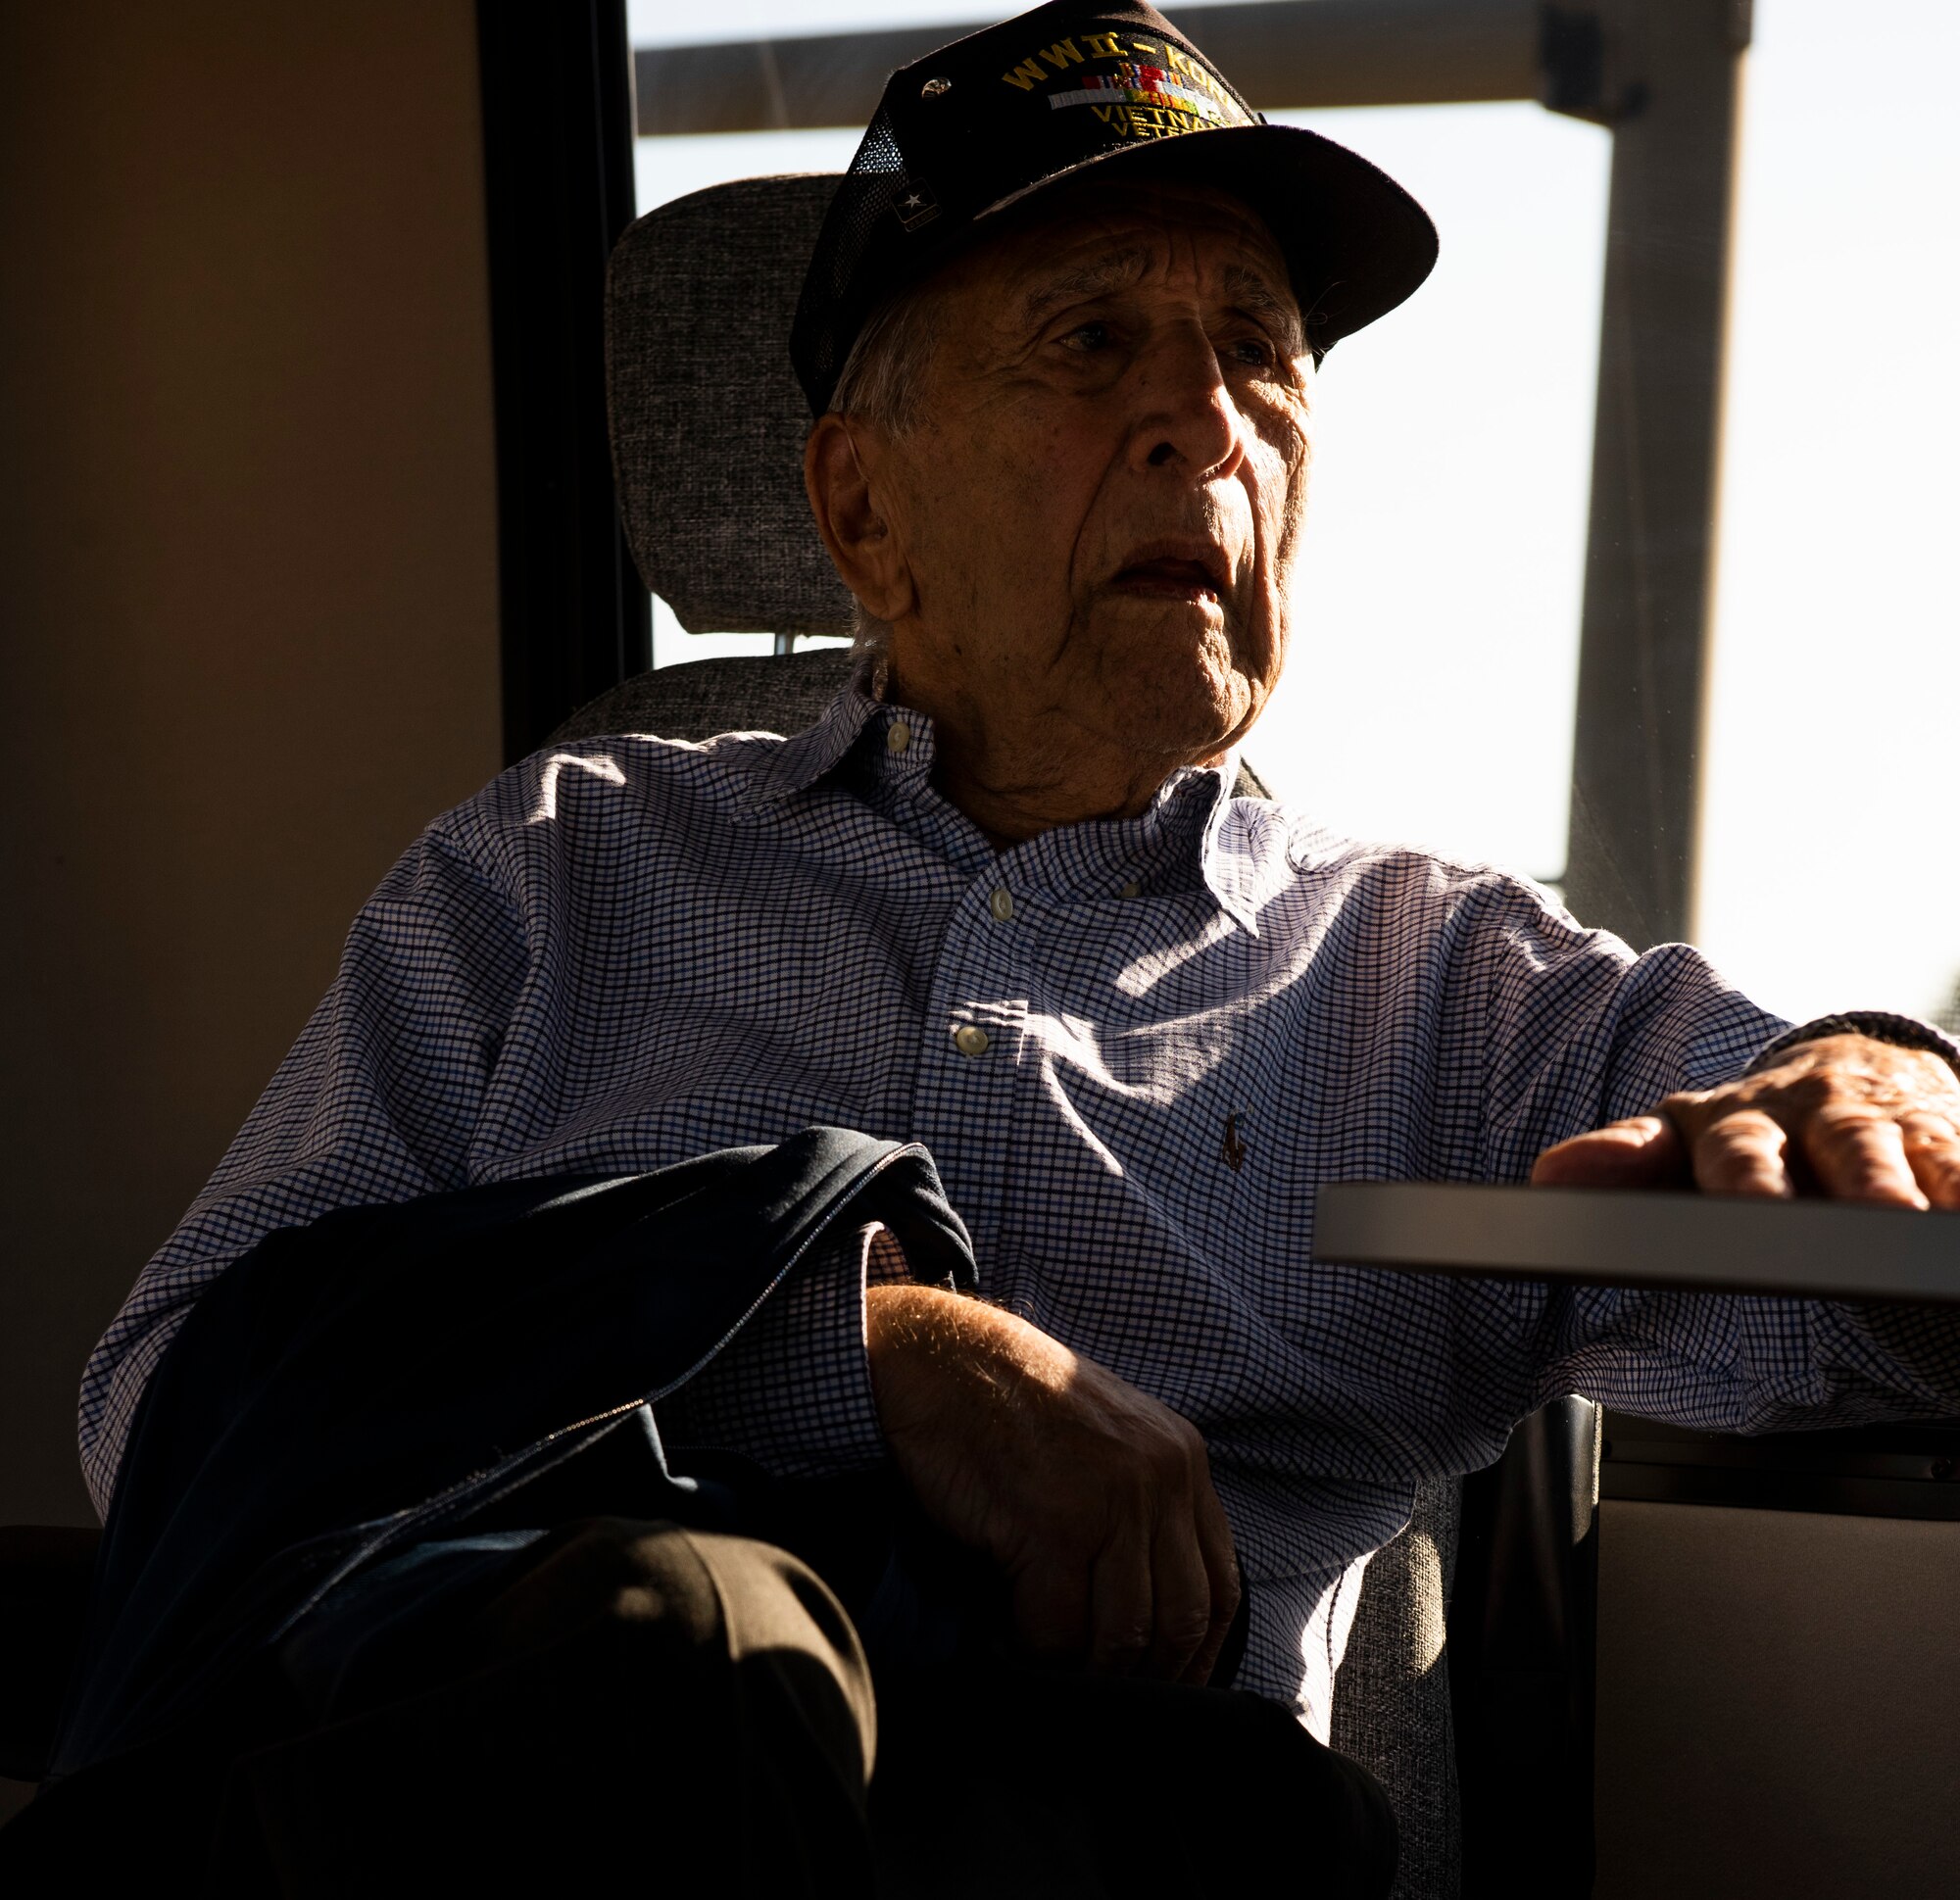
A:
[708,419]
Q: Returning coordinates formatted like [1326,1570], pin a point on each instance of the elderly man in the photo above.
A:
[1060,334]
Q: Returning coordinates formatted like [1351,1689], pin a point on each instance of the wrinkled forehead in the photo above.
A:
[1095,235]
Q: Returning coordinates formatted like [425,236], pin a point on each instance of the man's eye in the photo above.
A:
[1255,351]
[1087,338]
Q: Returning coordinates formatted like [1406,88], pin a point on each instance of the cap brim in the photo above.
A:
[1355,243]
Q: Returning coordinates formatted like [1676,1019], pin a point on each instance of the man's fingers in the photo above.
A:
[1842,1115]
[1645,1151]
[1221,1569]
[1179,1597]
[1858,1153]
[1743,1153]
[1121,1609]
[1933,1151]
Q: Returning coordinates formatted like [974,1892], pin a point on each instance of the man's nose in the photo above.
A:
[1185,412]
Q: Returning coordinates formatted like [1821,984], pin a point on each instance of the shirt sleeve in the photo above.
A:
[1578,1031]
[378,1101]
[793,1389]
[1726,1362]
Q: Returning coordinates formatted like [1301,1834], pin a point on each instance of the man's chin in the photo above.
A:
[1179,699]
[1185,728]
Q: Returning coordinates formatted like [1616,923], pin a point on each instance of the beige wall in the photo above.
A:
[247,590]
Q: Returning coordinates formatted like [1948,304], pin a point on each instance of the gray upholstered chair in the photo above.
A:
[707,427]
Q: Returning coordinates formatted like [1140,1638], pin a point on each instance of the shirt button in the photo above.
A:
[1131,889]
[1002,905]
[898,736]
[969,1039]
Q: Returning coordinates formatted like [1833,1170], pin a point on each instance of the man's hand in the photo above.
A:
[1845,1116]
[1094,1500]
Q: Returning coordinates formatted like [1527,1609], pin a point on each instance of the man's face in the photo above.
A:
[1102,504]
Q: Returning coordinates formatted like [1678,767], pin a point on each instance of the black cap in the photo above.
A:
[978,126]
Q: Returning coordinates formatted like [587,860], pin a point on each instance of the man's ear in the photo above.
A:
[844,498]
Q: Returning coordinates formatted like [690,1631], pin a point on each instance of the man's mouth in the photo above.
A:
[1174,577]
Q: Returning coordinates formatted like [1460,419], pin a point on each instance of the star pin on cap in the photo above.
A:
[984,123]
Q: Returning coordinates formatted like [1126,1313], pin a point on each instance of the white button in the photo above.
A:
[1002,905]
[969,1039]
[1131,889]
[898,736]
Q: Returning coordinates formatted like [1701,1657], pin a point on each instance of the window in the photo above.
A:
[1828,874]
[1430,690]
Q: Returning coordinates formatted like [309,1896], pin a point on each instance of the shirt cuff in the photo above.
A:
[1880,1025]
[792,1390]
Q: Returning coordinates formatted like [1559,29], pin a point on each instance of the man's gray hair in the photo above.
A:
[883,382]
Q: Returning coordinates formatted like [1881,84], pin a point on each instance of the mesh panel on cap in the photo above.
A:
[825,321]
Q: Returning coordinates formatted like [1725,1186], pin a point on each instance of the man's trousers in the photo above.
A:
[639,1703]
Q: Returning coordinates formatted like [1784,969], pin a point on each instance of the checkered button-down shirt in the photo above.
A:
[1134,1049]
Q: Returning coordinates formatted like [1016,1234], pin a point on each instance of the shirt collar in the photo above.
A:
[800,761]
[1178,842]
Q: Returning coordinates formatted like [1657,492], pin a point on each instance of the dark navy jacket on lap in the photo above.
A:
[351,1387]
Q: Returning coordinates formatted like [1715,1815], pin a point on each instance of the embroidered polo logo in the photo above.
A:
[1236,1151]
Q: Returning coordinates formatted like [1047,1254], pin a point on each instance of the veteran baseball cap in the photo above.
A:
[980,125]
